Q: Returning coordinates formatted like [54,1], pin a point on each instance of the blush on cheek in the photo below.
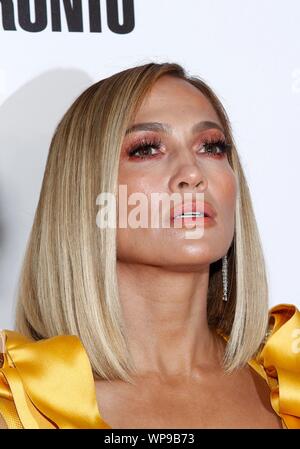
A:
[229,189]
[231,182]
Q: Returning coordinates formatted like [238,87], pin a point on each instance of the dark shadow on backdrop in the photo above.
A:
[27,121]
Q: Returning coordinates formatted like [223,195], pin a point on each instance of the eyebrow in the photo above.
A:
[167,129]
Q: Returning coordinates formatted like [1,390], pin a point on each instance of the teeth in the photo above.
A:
[190,214]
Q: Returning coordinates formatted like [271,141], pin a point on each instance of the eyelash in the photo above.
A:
[156,143]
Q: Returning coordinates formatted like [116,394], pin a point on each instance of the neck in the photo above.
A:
[165,318]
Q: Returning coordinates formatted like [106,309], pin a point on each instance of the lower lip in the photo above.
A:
[190,220]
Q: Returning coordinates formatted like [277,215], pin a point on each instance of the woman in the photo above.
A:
[142,327]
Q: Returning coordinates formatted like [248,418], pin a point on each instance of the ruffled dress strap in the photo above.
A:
[278,362]
[47,383]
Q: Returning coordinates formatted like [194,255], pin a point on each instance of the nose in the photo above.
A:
[189,178]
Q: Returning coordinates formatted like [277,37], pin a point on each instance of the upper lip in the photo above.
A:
[193,206]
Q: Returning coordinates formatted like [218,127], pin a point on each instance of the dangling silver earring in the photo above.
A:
[224,277]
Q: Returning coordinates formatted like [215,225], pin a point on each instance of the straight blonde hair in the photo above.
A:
[68,281]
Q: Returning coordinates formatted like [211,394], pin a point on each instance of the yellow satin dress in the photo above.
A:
[48,384]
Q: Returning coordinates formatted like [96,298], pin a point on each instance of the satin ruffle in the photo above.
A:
[279,363]
[50,382]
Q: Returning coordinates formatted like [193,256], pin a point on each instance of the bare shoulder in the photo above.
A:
[255,395]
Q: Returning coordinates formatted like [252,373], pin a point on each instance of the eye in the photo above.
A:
[145,149]
[215,148]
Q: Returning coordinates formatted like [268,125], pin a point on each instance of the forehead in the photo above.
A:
[174,96]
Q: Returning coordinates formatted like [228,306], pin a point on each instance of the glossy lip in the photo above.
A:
[193,222]
[193,206]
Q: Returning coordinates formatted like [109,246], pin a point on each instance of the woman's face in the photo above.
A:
[178,161]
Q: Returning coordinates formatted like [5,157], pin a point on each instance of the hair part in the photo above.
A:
[68,281]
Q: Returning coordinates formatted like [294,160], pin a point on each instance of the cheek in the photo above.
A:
[136,196]
[227,189]
[135,182]
[144,181]
[230,188]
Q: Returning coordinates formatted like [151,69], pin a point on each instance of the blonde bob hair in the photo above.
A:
[68,282]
